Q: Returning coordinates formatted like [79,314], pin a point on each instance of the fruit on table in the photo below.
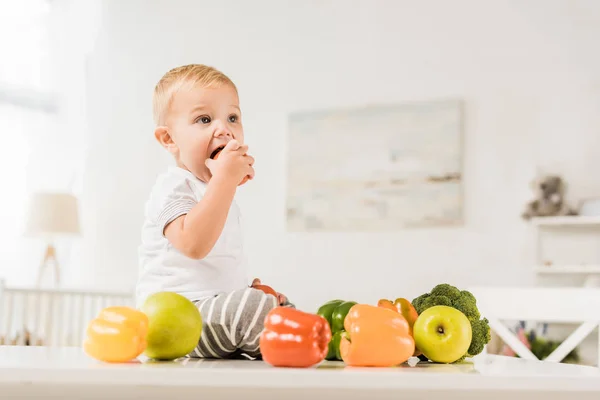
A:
[464,301]
[117,334]
[294,338]
[443,334]
[174,328]
[335,311]
[376,337]
[244,180]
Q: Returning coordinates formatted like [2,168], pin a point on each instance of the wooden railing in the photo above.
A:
[55,318]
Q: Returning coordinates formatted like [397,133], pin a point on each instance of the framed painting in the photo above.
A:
[376,168]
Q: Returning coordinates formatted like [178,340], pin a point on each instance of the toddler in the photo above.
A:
[191,236]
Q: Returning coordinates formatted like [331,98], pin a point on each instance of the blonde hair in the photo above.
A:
[184,77]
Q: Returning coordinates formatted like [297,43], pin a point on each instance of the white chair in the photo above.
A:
[536,304]
[51,318]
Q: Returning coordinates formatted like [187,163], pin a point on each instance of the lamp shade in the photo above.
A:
[52,214]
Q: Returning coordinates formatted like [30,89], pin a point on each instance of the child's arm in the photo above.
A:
[195,233]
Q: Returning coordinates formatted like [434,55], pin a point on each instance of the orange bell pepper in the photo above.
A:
[377,337]
[404,307]
[294,338]
[117,334]
[407,310]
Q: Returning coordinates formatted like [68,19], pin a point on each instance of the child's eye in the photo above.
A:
[204,119]
[233,118]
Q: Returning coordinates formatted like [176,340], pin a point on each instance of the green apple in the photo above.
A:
[442,333]
[174,326]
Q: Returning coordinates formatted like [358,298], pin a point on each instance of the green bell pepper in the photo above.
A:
[339,315]
[331,350]
[335,311]
[335,343]
[326,310]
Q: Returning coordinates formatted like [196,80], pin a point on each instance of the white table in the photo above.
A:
[27,372]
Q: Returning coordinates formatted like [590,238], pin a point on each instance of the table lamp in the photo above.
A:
[52,215]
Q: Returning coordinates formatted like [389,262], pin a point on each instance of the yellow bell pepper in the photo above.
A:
[376,337]
[117,334]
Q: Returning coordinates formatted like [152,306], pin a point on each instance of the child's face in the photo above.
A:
[201,121]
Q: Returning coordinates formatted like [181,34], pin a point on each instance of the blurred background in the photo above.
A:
[506,92]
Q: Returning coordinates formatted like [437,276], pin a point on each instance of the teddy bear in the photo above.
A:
[549,200]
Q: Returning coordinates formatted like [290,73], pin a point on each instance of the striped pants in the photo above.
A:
[232,324]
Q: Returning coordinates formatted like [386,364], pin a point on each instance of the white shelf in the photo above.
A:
[569,269]
[567,221]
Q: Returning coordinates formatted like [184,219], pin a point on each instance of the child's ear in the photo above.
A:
[161,133]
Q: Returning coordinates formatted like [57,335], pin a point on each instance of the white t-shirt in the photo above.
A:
[164,268]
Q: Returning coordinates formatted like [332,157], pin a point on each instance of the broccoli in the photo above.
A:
[481,336]
[464,301]
[417,302]
[434,300]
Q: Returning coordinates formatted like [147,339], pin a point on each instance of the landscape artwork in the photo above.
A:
[377,168]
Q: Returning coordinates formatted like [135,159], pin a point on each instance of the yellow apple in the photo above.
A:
[442,333]
[174,328]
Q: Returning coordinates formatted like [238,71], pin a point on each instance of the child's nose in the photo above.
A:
[221,130]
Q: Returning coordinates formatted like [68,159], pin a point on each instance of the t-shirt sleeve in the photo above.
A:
[173,200]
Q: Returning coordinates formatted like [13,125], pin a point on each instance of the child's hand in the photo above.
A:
[281,298]
[233,163]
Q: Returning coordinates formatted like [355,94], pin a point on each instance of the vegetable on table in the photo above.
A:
[376,337]
[403,306]
[294,338]
[406,309]
[117,334]
[326,310]
[339,315]
[464,301]
[334,346]
[335,311]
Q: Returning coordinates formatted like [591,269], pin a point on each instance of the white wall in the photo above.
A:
[529,72]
